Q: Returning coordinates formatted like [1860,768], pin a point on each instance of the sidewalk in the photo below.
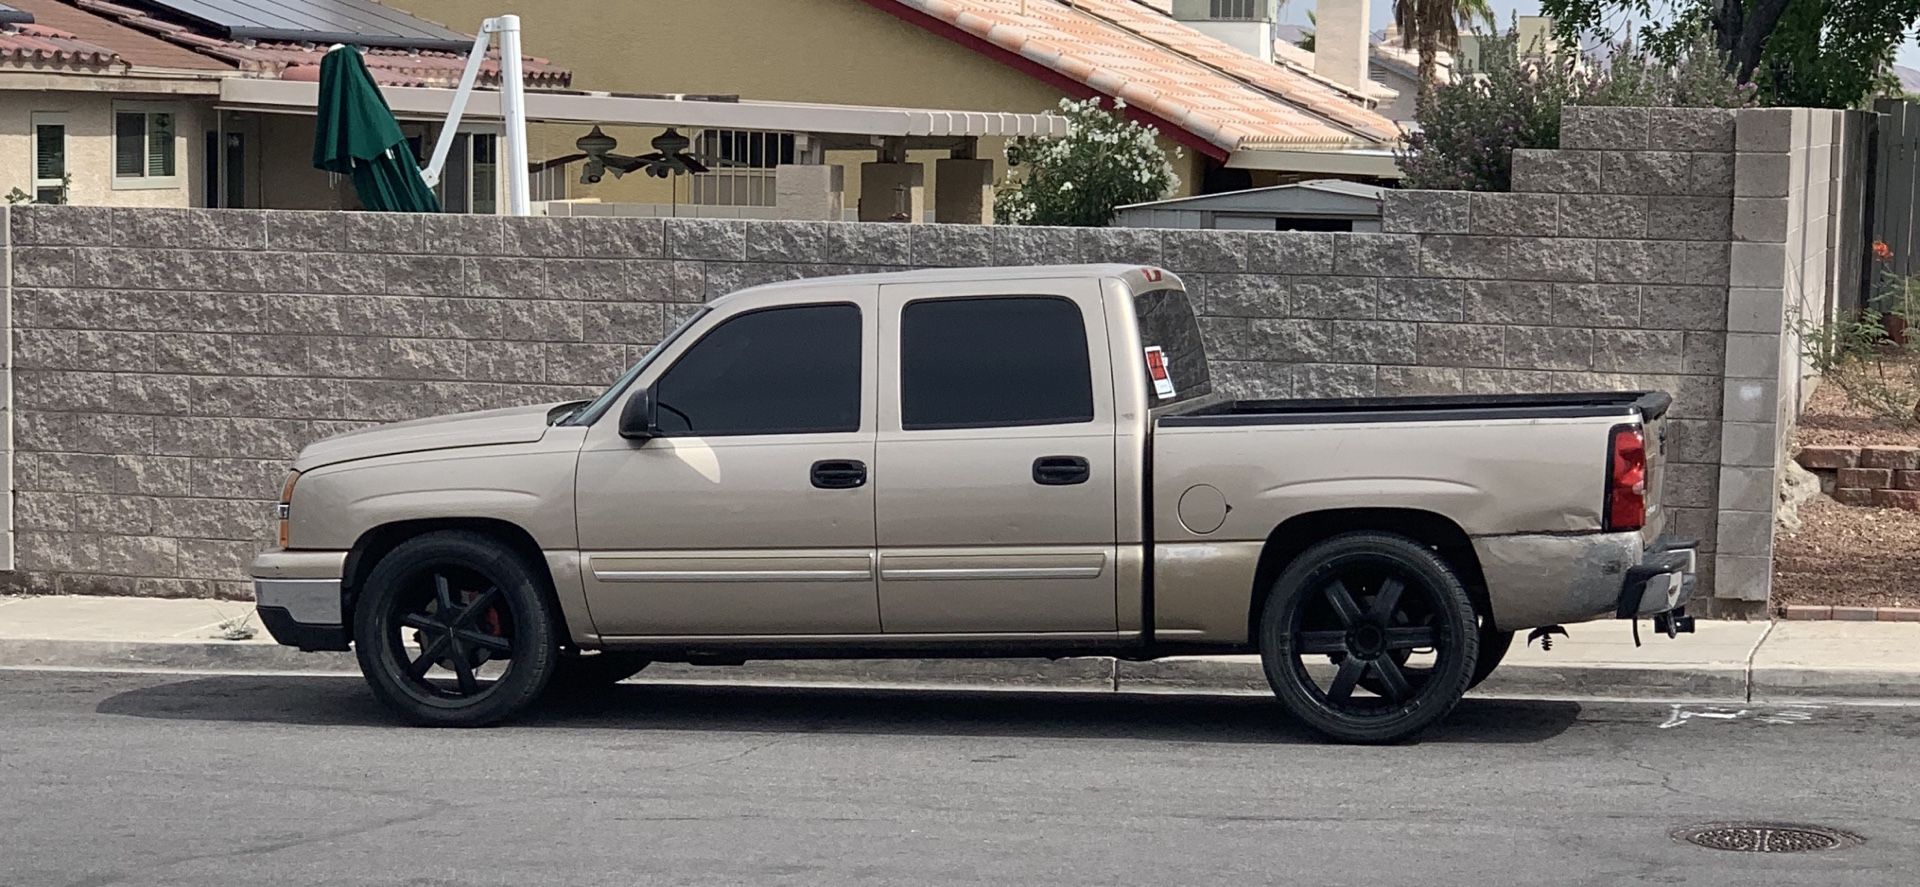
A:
[1732,661]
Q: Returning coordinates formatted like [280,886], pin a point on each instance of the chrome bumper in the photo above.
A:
[298,597]
[1553,579]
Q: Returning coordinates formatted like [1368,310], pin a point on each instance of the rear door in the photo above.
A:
[995,462]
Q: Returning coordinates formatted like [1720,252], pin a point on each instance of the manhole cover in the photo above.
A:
[1765,837]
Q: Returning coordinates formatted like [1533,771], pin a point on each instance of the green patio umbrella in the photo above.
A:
[355,134]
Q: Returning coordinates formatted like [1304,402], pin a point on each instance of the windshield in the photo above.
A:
[586,415]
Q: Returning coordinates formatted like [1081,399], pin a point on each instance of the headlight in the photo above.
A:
[286,509]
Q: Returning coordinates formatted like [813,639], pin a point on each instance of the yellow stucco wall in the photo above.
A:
[89,122]
[828,51]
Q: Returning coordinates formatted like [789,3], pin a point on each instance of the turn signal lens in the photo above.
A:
[1626,505]
[286,509]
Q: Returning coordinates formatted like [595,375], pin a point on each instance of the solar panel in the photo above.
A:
[12,16]
[362,22]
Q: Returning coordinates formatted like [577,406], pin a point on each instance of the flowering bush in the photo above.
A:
[1470,128]
[1105,162]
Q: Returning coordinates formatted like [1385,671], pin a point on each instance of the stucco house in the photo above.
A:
[121,103]
[1238,120]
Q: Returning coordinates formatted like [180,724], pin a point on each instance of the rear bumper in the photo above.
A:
[1663,581]
[1554,579]
[298,597]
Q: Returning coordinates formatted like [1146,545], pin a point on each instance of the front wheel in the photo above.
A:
[1374,600]
[452,630]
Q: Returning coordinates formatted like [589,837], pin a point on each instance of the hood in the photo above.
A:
[508,426]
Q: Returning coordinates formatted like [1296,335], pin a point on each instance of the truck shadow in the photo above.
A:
[342,702]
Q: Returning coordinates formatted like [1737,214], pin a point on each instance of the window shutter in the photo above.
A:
[49,152]
[129,144]
[159,144]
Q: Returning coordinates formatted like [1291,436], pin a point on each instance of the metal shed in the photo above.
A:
[1318,205]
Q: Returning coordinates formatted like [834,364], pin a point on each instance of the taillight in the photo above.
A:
[1626,505]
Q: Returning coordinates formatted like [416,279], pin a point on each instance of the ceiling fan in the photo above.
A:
[669,157]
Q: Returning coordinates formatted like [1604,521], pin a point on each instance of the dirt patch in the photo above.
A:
[1848,556]
[1830,419]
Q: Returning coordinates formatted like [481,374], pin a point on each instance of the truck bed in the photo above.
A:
[1465,407]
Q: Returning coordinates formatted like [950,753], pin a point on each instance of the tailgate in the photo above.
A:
[1653,415]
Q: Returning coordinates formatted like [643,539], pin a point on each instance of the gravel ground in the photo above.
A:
[1849,556]
[1845,555]
[1830,420]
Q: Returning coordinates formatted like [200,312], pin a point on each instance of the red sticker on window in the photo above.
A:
[1158,372]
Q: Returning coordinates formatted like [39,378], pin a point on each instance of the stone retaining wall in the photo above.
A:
[167,364]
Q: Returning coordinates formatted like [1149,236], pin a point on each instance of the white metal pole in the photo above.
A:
[513,108]
[448,130]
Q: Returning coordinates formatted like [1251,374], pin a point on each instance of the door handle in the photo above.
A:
[839,474]
[1061,471]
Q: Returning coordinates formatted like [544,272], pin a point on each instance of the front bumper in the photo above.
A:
[298,597]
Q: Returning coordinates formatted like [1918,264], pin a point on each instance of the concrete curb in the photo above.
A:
[1211,674]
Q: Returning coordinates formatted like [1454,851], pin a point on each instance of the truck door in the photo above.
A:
[752,511]
[995,465]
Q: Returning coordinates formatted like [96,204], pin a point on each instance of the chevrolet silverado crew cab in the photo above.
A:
[965,463]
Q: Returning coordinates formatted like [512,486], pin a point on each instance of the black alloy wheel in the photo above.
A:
[452,629]
[1394,616]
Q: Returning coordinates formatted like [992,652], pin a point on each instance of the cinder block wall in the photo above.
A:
[169,363]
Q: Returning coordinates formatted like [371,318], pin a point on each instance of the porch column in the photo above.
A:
[810,191]
[884,184]
[963,191]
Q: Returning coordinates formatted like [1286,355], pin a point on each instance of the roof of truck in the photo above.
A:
[961,275]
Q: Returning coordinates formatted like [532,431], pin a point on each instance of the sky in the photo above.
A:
[1295,12]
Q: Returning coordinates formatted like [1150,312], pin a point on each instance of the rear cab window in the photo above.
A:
[1173,357]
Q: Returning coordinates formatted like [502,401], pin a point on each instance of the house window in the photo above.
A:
[49,158]
[470,182]
[741,166]
[1236,10]
[144,146]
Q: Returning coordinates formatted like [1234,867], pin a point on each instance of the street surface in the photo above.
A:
[180,779]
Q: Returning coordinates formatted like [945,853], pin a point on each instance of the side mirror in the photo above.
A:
[639,419]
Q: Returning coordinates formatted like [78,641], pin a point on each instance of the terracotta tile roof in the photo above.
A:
[133,47]
[292,61]
[38,45]
[390,67]
[1126,49]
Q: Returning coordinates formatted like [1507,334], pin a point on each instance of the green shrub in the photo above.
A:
[1470,128]
[1105,162]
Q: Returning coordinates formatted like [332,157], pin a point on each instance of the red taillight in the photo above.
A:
[1626,505]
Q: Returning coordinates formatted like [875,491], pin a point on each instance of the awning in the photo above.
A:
[422,103]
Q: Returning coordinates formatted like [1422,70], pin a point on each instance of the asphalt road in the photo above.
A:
[209,780]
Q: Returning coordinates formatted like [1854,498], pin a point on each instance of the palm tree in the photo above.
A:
[1428,25]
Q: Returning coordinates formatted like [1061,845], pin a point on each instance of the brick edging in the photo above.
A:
[1808,612]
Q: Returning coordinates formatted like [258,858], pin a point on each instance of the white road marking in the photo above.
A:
[1791,713]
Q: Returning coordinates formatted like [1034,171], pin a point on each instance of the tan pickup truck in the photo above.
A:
[970,463]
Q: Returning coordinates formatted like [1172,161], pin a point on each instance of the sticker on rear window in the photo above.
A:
[1157,371]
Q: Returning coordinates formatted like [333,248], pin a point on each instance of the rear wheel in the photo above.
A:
[452,630]
[1493,648]
[1393,613]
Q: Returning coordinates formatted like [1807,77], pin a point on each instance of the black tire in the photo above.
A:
[581,672]
[1494,644]
[470,603]
[1365,595]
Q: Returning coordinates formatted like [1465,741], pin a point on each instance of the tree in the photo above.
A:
[1427,26]
[1106,161]
[1822,53]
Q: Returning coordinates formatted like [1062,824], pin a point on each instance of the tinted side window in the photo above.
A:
[780,371]
[980,363]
